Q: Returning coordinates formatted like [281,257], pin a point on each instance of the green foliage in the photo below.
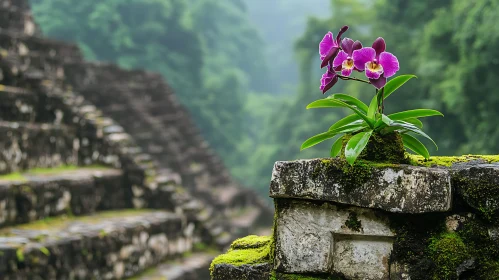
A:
[447,251]
[370,120]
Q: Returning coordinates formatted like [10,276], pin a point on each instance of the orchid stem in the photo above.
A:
[353,79]
[382,100]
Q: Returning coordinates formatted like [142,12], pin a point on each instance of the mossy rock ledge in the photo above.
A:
[435,219]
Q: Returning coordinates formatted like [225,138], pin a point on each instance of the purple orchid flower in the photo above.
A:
[344,61]
[329,47]
[379,65]
[328,80]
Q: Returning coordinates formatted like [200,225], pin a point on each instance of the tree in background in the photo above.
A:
[214,57]
[208,51]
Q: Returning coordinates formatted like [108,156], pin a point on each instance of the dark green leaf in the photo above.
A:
[346,120]
[330,102]
[414,129]
[416,113]
[383,122]
[351,100]
[356,145]
[314,140]
[415,122]
[395,83]
[336,148]
[327,103]
[373,108]
[415,145]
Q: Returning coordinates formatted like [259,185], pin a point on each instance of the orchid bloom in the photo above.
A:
[328,80]
[344,61]
[378,64]
[329,47]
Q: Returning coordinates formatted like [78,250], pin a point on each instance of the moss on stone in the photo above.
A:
[53,223]
[449,160]
[448,251]
[245,251]
[349,176]
[251,241]
[22,176]
[387,148]
[353,222]
[481,193]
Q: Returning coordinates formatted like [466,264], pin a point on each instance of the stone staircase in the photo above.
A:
[103,175]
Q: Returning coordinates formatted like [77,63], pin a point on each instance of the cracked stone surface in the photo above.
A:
[394,188]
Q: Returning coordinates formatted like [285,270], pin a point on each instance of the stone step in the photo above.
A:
[30,145]
[107,245]
[41,193]
[191,267]
[21,43]
[21,105]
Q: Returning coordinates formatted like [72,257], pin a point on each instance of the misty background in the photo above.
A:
[246,69]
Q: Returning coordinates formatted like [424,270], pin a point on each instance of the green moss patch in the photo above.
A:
[251,241]
[22,176]
[63,221]
[384,148]
[353,222]
[448,251]
[449,161]
[431,252]
[246,251]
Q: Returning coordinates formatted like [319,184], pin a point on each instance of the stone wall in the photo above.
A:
[379,221]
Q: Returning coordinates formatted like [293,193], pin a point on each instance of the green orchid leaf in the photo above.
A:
[314,140]
[415,122]
[386,119]
[351,100]
[373,108]
[383,122]
[336,148]
[395,83]
[331,103]
[356,145]
[415,145]
[346,120]
[414,129]
[350,128]
[416,113]
[327,103]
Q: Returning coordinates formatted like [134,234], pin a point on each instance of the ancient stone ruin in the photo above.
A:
[103,174]
[425,220]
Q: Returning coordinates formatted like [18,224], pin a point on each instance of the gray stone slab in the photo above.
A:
[394,188]
[325,238]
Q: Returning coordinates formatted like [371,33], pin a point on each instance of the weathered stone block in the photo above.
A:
[394,188]
[314,237]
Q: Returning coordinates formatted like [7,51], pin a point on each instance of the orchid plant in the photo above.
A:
[342,57]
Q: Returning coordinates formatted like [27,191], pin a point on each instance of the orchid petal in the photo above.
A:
[338,37]
[326,44]
[356,46]
[346,71]
[330,84]
[363,56]
[378,83]
[346,45]
[332,54]
[390,64]
[379,46]
[327,78]
[338,60]
[373,74]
